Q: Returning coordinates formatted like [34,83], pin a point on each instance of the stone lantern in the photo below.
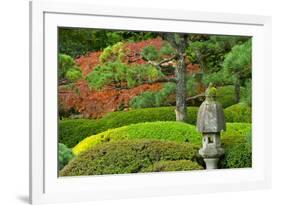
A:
[210,122]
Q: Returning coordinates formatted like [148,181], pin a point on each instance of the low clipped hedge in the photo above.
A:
[173,131]
[178,165]
[226,95]
[71,132]
[127,156]
[240,112]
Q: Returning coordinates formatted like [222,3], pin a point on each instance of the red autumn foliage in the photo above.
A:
[88,62]
[95,104]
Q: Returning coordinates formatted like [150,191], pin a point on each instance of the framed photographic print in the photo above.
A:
[130,102]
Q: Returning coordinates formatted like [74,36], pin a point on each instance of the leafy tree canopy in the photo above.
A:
[79,41]
[68,71]
[238,62]
[121,75]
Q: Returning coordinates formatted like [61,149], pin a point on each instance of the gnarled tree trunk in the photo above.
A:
[181,89]
[179,43]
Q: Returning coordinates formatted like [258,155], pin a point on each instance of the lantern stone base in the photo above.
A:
[211,156]
[211,163]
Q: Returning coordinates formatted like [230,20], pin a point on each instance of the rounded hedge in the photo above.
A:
[71,132]
[127,156]
[236,133]
[240,112]
[65,155]
[178,165]
[173,131]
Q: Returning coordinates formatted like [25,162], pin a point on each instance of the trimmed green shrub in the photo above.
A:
[127,156]
[72,132]
[226,95]
[178,165]
[240,112]
[173,131]
[237,156]
[65,155]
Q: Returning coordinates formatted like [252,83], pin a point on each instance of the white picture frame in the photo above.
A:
[46,187]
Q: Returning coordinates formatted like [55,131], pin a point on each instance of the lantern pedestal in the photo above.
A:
[211,163]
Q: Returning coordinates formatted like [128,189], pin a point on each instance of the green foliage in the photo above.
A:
[210,51]
[178,165]
[237,156]
[218,78]
[127,156]
[226,95]
[65,155]
[68,70]
[113,53]
[79,41]
[76,42]
[240,112]
[117,73]
[150,53]
[238,62]
[237,144]
[236,133]
[247,97]
[172,131]
[166,49]
[153,99]
[144,100]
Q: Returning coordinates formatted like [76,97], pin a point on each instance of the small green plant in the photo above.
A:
[65,155]
[127,156]
[178,165]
